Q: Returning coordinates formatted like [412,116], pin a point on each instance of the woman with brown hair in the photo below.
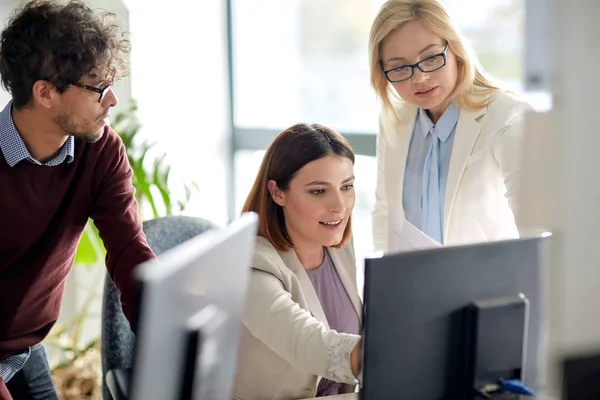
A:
[303,313]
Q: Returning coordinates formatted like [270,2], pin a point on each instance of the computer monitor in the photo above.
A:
[581,377]
[415,316]
[191,303]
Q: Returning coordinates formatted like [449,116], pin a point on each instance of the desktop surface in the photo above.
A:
[349,396]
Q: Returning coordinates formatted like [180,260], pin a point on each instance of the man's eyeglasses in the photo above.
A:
[108,82]
[405,72]
[101,91]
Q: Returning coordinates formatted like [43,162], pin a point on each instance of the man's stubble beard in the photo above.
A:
[66,124]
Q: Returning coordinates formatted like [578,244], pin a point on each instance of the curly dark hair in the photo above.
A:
[59,43]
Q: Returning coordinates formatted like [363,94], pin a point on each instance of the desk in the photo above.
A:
[349,396]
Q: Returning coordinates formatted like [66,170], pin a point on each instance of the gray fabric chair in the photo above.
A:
[117,338]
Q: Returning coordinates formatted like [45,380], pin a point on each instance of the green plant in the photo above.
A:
[157,177]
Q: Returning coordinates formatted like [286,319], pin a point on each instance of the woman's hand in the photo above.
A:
[355,359]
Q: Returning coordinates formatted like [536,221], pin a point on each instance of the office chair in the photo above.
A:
[117,338]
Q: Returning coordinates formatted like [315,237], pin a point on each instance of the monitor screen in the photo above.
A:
[415,315]
[581,380]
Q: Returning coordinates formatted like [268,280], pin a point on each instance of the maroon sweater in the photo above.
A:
[43,211]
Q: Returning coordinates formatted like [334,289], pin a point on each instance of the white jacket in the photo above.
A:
[484,176]
[286,344]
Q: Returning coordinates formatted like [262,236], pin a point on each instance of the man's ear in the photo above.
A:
[276,194]
[44,93]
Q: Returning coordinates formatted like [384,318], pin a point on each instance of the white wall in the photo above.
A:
[563,184]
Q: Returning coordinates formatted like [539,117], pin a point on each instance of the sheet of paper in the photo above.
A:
[404,236]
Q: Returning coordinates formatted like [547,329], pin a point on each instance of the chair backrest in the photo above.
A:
[118,340]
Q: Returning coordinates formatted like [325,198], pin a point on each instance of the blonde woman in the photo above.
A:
[450,140]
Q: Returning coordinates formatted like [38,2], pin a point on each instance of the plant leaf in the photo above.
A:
[90,249]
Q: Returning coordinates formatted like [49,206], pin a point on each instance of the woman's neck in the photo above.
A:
[311,257]
[436,113]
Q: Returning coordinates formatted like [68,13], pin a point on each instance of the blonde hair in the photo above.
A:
[471,78]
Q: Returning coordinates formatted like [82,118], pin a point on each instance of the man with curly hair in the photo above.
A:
[60,164]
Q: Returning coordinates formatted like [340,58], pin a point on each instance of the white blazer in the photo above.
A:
[287,345]
[480,203]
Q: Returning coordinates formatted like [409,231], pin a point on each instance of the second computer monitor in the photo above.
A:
[414,323]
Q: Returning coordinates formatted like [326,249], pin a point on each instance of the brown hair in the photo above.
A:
[291,150]
[58,43]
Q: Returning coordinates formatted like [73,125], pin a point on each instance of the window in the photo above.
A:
[303,61]
[307,60]
[495,29]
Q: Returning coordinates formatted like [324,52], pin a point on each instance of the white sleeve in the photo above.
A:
[293,333]
[507,146]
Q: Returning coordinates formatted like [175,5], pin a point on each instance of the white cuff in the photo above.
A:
[339,367]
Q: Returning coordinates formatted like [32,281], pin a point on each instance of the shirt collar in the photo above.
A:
[445,125]
[14,149]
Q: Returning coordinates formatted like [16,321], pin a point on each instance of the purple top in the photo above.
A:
[338,309]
